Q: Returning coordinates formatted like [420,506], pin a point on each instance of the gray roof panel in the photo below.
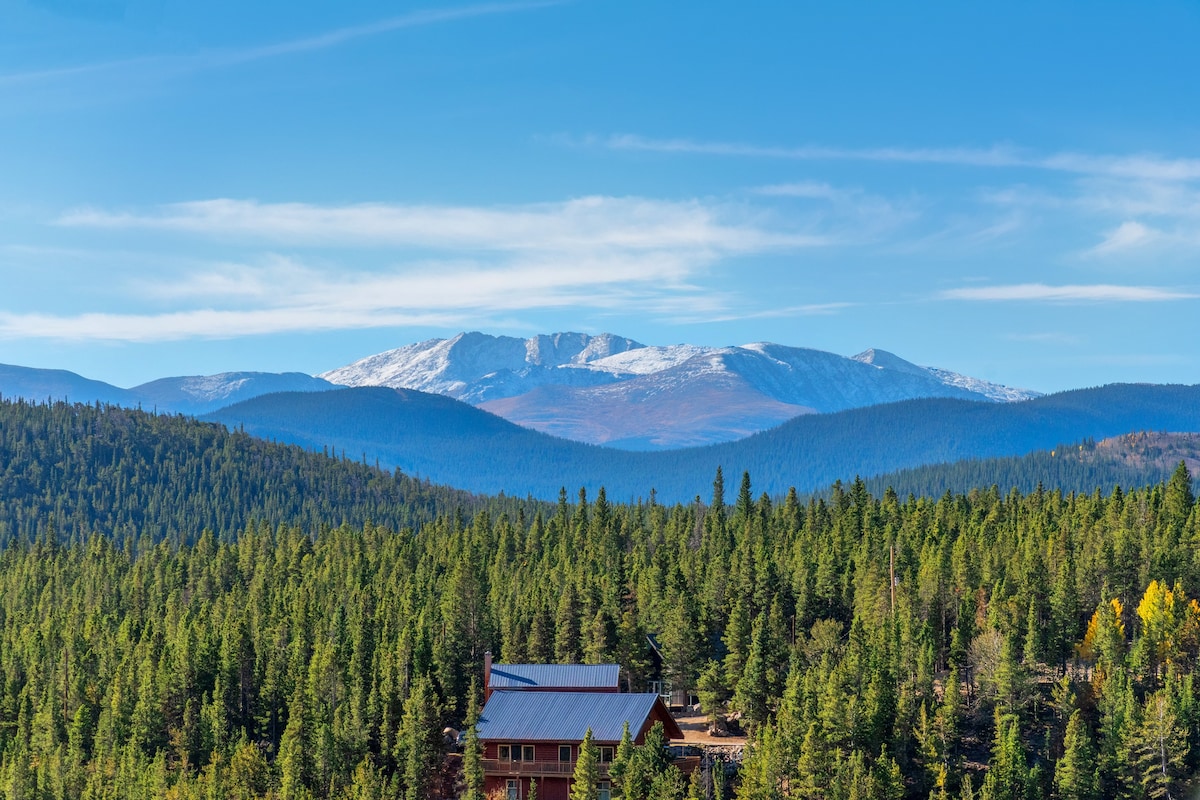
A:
[555,676]
[562,716]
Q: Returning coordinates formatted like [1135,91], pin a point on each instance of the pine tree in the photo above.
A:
[1075,773]
[420,739]
[621,759]
[1162,746]
[294,760]
[472,759]
[751,694]
[1008,774]
[585,781]
[566,628]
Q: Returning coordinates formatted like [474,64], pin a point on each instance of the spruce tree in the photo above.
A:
[472,759]
[585,781]
[1075,773]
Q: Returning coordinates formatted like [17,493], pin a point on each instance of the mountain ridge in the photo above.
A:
[455,443]
[612,376]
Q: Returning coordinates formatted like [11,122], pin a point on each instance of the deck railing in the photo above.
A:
[494,766]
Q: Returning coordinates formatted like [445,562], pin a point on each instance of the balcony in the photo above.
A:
[534,769]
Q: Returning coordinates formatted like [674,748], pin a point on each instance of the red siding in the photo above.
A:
[548,788]
[542,751]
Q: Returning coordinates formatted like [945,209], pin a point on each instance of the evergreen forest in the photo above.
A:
[979,645]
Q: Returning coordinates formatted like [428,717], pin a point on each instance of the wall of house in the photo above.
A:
[548,788]
[542,751]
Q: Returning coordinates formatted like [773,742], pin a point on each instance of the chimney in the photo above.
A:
[487,675]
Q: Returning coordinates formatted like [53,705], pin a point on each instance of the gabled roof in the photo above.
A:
[555,676]
[566,716]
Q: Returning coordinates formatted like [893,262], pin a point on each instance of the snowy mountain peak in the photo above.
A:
[475,366]
[607,388]
[986,389]
[885,360]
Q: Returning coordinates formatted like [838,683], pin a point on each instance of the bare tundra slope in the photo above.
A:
[611,390]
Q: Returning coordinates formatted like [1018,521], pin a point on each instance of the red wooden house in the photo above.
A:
[532,731]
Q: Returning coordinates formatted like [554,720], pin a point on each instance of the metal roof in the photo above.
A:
[563,716]
[555,676]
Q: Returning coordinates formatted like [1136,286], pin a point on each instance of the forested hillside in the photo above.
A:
[453,443]
[78,469]
[1135,459]
[1037,645]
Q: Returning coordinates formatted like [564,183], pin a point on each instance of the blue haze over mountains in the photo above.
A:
[446,441]
[792,417]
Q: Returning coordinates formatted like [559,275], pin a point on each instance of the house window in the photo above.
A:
[564,752]
[503,753]
[513,789]
[528,755]
[606,755]
[604,791]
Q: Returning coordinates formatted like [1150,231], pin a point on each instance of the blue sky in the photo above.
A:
[1009,191]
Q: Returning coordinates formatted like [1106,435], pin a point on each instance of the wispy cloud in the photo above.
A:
[1126,236]
[580,224]
[1040,292]
[284,296]
[804,310]
[341,36]
[1047,337]
[1139,166]
[166,65]
[602,254]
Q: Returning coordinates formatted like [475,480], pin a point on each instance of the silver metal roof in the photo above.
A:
[555,676]
[562,716]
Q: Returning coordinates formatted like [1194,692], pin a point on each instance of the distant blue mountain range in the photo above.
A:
[451,442]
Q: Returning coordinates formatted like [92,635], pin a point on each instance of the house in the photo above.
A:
[657,682]
[534,721]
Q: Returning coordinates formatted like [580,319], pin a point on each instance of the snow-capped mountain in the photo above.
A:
[192,394]
[608,389]
[992,391]
[475,367]
[198,394]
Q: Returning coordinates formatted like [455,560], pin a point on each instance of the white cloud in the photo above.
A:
[603,254]
[1040,292]
[1128,235]
[1139,166]
[588,223]
[1049,337]
[172,65]
[413,19]
[285,297]
[282,295]
[805,310]
[806,189]
[202,323]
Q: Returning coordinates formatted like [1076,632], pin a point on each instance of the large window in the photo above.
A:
[605,791]
[513,789]
[564,752]
[606,755]
[515,752]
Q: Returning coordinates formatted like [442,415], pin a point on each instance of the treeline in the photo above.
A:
[1013,646]
[1079,467]
[78,469]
